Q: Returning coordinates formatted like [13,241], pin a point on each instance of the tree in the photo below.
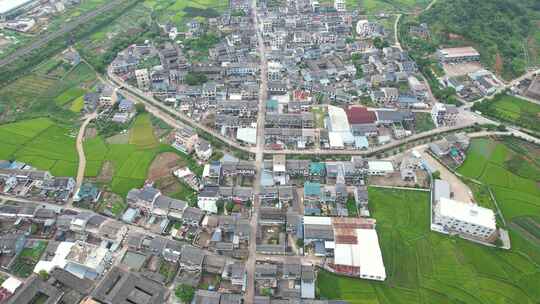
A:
[44,275]
[229,207]
[300,243]
[140,108]
[436,175]
[185,293]
[501,128]
[195,78]
[380,43]
[219,205]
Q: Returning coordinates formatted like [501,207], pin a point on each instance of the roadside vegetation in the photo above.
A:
[511,109]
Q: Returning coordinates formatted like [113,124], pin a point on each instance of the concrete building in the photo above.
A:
[458,55]
[362,256]
[339,130]
[12,8]
[340,5]
[143,79]
[444,115]
[464,218]
[380,167]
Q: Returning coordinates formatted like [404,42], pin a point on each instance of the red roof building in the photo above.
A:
[360,115]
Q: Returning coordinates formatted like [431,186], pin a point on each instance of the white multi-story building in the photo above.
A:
[444,115]
[340,5]
[465,218]
[143,80]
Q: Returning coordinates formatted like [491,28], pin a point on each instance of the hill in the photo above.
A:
[502,30]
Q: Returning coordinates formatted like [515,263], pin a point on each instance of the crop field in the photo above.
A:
[69,95]
[512,110]
[41,143]
[40,93]
[77,105]
[130,161]
[28,258]
[142,133]
[178,11]
[378,6]
[427,267]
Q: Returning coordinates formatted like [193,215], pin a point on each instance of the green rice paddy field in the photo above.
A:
[30,96]
[513,110]
[378,6]
[47,145]
[41,143]
[427,267]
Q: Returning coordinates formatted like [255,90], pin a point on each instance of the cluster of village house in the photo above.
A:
[313,64]
[471,83]
[20,179]
[305,205]
[207,249]
[92,256]
[31,15]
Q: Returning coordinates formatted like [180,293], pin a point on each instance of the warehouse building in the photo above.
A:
[339,130]
[458,55]
[361,257]
[12,8]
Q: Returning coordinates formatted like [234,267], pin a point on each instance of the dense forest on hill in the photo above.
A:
[502,30]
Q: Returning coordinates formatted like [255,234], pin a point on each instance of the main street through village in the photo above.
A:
[238,228]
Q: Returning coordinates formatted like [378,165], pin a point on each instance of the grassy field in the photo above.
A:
[423,122]
[130,161]
[512,110]
[142,133]
[511,168]
[45,91]
[41,143]
[426,267]
[377,6]
[27,259]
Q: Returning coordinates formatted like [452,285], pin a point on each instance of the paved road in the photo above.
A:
[167,113]
[66,28]
[461,191]
[396,32]
[82,157]
[259,154]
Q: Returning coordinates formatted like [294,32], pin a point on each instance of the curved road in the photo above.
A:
[82,157]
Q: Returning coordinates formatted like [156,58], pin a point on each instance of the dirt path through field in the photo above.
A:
[82,157]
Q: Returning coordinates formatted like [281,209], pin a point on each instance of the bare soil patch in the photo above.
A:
[107,172]
[168,185]
[90,133]
[118,139]
[461,69]
[422,180]
[163,165]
